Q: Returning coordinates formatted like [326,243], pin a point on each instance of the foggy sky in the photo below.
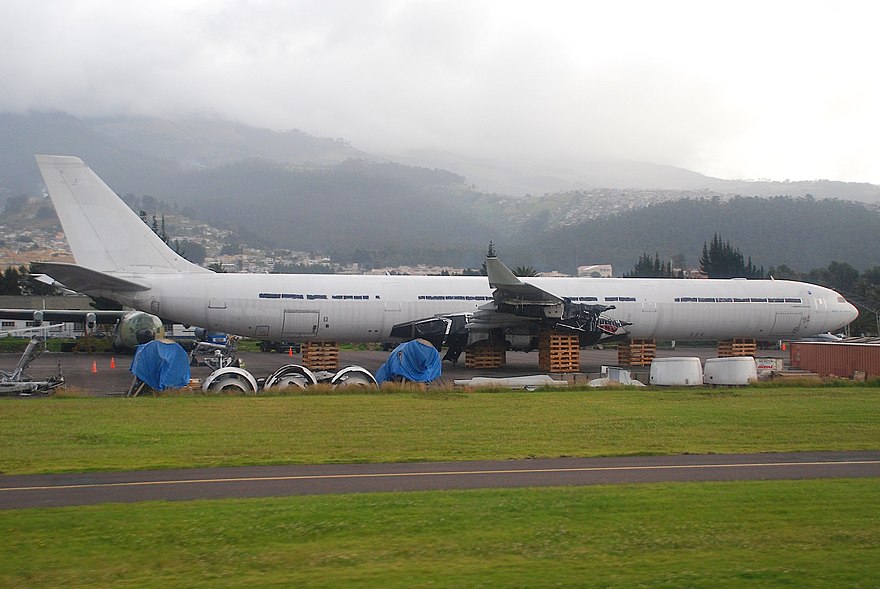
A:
[735,89]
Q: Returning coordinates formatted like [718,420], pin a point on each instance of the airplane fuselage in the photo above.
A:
[365,308]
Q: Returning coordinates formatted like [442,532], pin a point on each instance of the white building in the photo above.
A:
[595,271]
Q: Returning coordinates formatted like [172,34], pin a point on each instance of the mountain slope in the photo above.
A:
[136,154]
[801,233]
[347,207]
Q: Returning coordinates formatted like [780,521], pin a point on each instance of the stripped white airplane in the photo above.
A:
[120,258]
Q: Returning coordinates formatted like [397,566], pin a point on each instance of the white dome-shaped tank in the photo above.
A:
[740,370]
[679,372]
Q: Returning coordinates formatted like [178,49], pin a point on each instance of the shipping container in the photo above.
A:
[836,358]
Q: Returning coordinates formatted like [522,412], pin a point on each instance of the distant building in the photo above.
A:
[595,271]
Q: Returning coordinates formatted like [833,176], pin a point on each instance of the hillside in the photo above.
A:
[801,233]
[137,155]
[352,206]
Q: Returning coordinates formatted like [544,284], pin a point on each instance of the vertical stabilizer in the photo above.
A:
[103,233]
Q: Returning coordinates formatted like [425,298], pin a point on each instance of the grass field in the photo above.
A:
[754,534]
[77,434]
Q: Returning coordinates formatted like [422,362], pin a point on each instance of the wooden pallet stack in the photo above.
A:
[320,355]
[485,354]
[637,352]
[737,347]
[559,352]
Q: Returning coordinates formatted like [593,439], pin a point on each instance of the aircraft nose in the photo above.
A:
[851,312]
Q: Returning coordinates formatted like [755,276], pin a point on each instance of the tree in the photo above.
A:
[192,251]
[525,271]
[842,276]
[783,272]
[651,268]
[15,204]
[46,213]
[721,260]
[9,282]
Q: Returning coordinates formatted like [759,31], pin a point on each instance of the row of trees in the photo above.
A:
[719,260]
[647,267]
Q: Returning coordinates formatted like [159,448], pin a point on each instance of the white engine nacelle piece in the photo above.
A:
[234,379]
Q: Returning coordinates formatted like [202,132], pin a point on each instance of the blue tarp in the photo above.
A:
[161,365]
[416,360]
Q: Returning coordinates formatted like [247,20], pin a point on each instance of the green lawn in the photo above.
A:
[76,434]
[823,533]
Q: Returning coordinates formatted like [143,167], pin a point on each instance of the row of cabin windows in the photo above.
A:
[736,300]
[313,297]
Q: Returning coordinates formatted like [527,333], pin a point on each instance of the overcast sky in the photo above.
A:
[735,89]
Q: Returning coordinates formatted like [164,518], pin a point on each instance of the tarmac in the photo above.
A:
[55,490]
[78,372]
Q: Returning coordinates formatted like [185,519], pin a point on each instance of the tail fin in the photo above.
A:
[104,234]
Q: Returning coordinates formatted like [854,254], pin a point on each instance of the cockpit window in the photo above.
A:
[841,299]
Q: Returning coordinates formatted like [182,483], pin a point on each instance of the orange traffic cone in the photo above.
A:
[94,366]
[112,362]
[290,351]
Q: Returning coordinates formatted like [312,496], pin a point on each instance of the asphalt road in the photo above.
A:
[77,368]
[56,490]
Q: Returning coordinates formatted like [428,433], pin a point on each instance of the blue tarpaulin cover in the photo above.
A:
[416,360]
[161,364]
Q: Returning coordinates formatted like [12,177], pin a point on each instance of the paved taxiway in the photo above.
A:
[216,483]
[78,375]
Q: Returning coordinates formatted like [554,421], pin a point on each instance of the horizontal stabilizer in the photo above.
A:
[85,280]
[64,315]
[512,290]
